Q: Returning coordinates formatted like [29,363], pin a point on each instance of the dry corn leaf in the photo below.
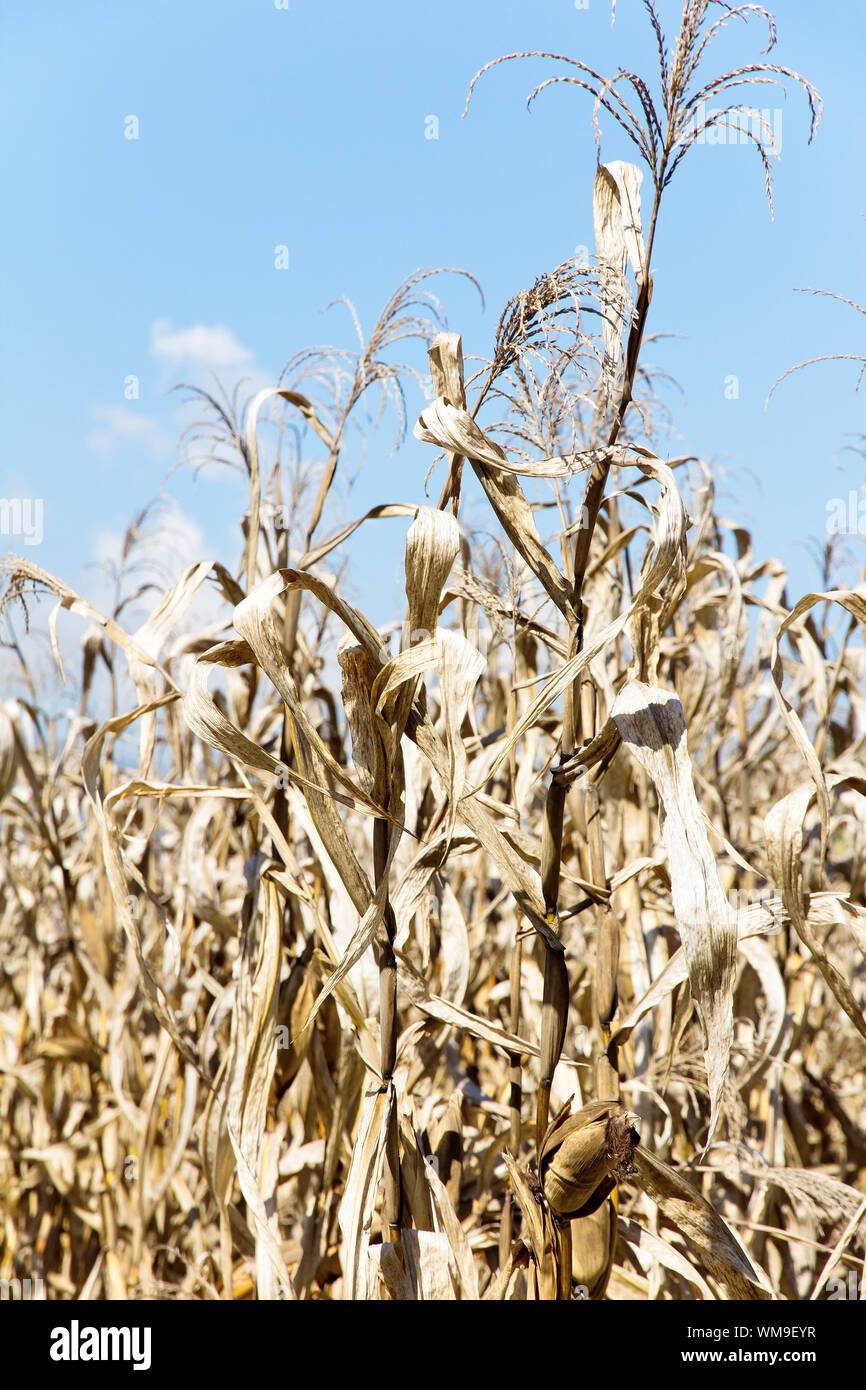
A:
[503,490]
[26,570]
[151,638]
[356,1208]
[114,866]
[650,723]
[761,959]
[251,459]
[612,252]
[626,216]
[783,829]
[854,602]
[464,1272]
[421,1270]
[251,1064]
[454,430]
[684,1208]
[668,547]
[651,1250]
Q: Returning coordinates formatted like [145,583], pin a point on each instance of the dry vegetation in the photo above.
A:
[525,960]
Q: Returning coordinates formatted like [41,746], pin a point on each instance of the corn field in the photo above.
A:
[517,952]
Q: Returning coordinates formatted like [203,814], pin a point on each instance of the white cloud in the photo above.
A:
[125,424]
[209,345]
[204,349]
[191,353]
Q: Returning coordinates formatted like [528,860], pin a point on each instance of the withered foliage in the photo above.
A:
[524,954]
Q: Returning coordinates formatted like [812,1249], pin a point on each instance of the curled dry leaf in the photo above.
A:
[452,429]
[502,488]
[688,1212]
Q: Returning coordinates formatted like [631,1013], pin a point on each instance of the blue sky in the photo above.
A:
[305,127]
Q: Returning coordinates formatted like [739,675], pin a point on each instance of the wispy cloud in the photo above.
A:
[192,352]
[119,425]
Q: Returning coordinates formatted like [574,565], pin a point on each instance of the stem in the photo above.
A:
[515,1099]
[387,963]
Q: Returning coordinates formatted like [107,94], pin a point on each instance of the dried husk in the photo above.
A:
[583,1155]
